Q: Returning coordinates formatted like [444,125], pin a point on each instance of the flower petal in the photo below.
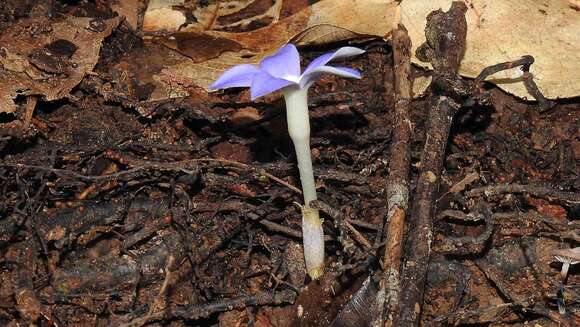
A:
[343,52]
[308,78]
[265,83]
[283,64]
[237,76]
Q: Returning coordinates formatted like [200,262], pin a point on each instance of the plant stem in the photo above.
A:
[299,130]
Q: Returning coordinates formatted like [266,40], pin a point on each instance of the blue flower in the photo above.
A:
[282,69]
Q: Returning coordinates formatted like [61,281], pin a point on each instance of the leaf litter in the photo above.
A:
[135,197]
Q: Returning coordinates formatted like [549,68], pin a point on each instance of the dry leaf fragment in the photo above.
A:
[461,185]
[48,58]
[128,9]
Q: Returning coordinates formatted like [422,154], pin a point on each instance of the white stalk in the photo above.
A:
[299,130]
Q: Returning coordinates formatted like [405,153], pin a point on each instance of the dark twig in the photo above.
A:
[445,33]
[524,61]
[535,190]
[143,165]
[337,216]
[467,244]
[397,181]
[527,78]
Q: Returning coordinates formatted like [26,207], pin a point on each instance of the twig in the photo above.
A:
[527,78]
[337,216]
[467,244]
[445,56]
[197,311]
[535,190]
[286,230]
[363,224]
[397,181]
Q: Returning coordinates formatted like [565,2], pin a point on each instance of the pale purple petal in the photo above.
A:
[265,83]
[343,52]
[283,64]
[237,76]
[308,78]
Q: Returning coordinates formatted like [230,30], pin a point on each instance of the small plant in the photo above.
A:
[281,71]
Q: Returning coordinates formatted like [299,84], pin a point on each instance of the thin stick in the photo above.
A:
[161,295]
[535,190]
[397,181]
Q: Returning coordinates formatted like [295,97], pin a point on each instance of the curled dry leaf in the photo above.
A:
[48,58]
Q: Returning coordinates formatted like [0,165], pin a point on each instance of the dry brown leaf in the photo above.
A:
[48,58]
[504,30]
[128,9]
[171,15]
[161,15]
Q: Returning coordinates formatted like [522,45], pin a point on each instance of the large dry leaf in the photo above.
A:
[231,15]
[324,22]
[48,58]
[505,30]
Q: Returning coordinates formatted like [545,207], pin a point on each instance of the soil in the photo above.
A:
[119,210]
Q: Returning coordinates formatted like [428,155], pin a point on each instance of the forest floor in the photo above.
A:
[185,215]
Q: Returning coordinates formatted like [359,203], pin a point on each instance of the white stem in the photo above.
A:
[299,129]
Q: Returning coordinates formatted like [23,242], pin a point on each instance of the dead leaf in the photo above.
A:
[199,47]
[325,21]
[128,9]
[48,58]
